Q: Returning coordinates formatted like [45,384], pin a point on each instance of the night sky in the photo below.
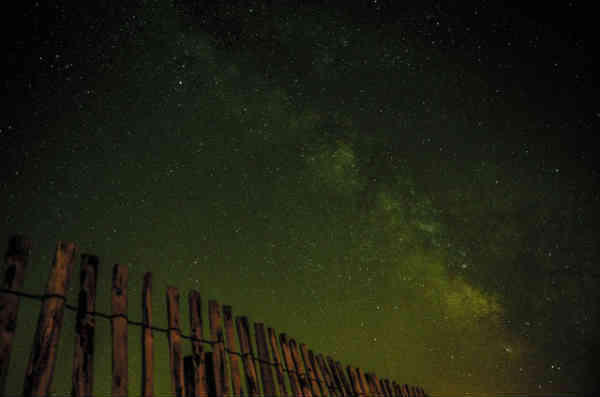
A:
[408,187]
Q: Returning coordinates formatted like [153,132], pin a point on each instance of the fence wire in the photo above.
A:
[74,308]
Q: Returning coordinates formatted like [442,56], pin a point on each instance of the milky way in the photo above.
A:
[402,196]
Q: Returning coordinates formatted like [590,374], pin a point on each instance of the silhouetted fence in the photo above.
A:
[203,373]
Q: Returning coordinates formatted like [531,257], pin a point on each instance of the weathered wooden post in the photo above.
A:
[344,378]
[277,360]
[147,338]
[371,385]
[234,362]
[289,365]
[395,389]
[377,385]
[219,360]
[318,373]
[15,263]
[363,382]
[120,375]
[247,355]
[384,387]
[174,336]
[310,372]
[331,385]
[263,354]
[405,390]
[302,376]
[200,381]
[335,376]
[83,355]
[388,387]
[354,382]
[42,360]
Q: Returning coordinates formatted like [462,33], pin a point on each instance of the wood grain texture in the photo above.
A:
[82,380]
[120,376]
[310,372]
[199,364]
[175,348]
[234,360]
[302,375]
[289,365]
[263,354]
[278,362]
[253,387]
[219,360]
[38,376]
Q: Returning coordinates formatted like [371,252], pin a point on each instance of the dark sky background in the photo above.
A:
[406,186]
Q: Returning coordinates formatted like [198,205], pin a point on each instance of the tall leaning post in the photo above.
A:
[118,320]
[82,381]
[199,364]
[234,360]
[243,332]
[15,263]
[174,339]
[277,360]
[42,360]
[266,373]
[219,360]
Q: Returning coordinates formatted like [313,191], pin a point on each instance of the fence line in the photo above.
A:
[203,373]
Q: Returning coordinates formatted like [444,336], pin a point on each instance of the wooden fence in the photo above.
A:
[203,373]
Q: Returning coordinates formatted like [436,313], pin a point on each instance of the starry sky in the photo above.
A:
[408,187]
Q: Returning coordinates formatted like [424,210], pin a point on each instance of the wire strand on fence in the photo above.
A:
[74,308]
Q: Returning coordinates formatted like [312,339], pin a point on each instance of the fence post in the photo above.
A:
[388,387]
[363,382]
[147,338]
[371,385]
[302,375]
[336,377]
[200,381]
[289,365]
[263,354]
[377,385]
[310,373]
[395,389]
[247,355]
[384,387]
[319,375]
[174,337]
[83,355]
[42,360]
[120,377]
[344,378]
[219,361]
[327,375]
[354,382]
[234,362]
[15,263]
[405,390]
[277,360]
